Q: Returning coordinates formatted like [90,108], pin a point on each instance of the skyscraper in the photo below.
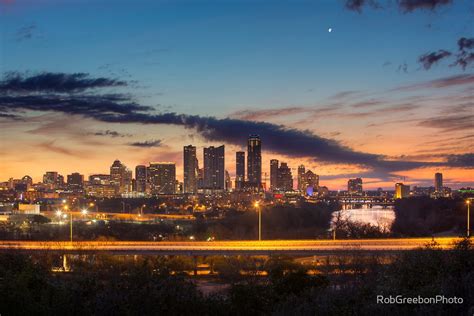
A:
[121,177]
[309,182]
[228,182]
[50,177]
[401,191]
[354,186]
[141,178]
[162,177]
[273,174]
[53,179]
[190,169]
[214,168]
[239,169]
[75,181]
[438,182]
[301,184]
[285,179]
[254,161]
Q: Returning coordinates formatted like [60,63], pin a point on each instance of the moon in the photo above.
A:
[330,29]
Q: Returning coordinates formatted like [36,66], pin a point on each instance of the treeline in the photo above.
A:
[423,216]
[151,286]
[278,222]
[305,221]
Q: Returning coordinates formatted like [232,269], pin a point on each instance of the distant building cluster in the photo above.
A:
[159,179]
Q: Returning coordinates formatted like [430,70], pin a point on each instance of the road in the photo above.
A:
[267,247]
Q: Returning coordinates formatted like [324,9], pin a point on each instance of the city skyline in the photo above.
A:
[390,108]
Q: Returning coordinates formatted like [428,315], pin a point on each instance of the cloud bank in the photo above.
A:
[122,109]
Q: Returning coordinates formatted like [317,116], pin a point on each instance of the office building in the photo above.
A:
[190,169]
[354,186]
[121,177]
[309,183]
[214,177]
[274,164]
[141,178]
[75,181]
[301,184]
[401,191]
[254,161]
[162,177]
[239,170]
[99,179]
[285,178]
[228,182]
[438,182]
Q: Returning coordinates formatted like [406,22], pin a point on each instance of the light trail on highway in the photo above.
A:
[230,247]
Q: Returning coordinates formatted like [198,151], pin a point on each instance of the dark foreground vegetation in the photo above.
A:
[104,285]
[423,216]
[414,217]
[279,222]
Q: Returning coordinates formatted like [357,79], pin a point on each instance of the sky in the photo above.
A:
[376,89]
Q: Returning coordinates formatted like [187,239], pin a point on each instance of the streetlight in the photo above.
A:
[468,202]
[257,206]
[70,223]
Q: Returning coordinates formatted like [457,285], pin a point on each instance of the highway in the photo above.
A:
[267,247]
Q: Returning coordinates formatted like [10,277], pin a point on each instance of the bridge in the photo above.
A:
[367,200]
[199,248]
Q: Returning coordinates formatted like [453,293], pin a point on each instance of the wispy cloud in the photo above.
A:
[429,59]
[25,32]
[109,133]
[446,82]
[412,5]
[147,144]
[15,82]
[453,122]
[291,142]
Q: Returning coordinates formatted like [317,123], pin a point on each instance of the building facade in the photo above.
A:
[190,169]
[254,161]
[214,177]
[239,170]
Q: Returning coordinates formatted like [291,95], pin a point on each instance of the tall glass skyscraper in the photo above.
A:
[239,169]
[214,168]
[254,161]
[140,178]
[190,166]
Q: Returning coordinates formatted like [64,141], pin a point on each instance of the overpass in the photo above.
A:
[200,248]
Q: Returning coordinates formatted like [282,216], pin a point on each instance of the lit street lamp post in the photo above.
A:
[257,205]
[468,202]
[70,221]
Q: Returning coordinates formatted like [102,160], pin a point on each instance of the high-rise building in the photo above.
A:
[99,179]
[162,177]
[53,179]
[301,184]
[239,170]
[190,168]
[141,178]
[285,179]
[309,183]
[50,177]
[27,180]
[354,186]
[254,161]
[75,181]
[274,174]
[438,182]
[214,168]
[228,182]
[401,191]
[121,177]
